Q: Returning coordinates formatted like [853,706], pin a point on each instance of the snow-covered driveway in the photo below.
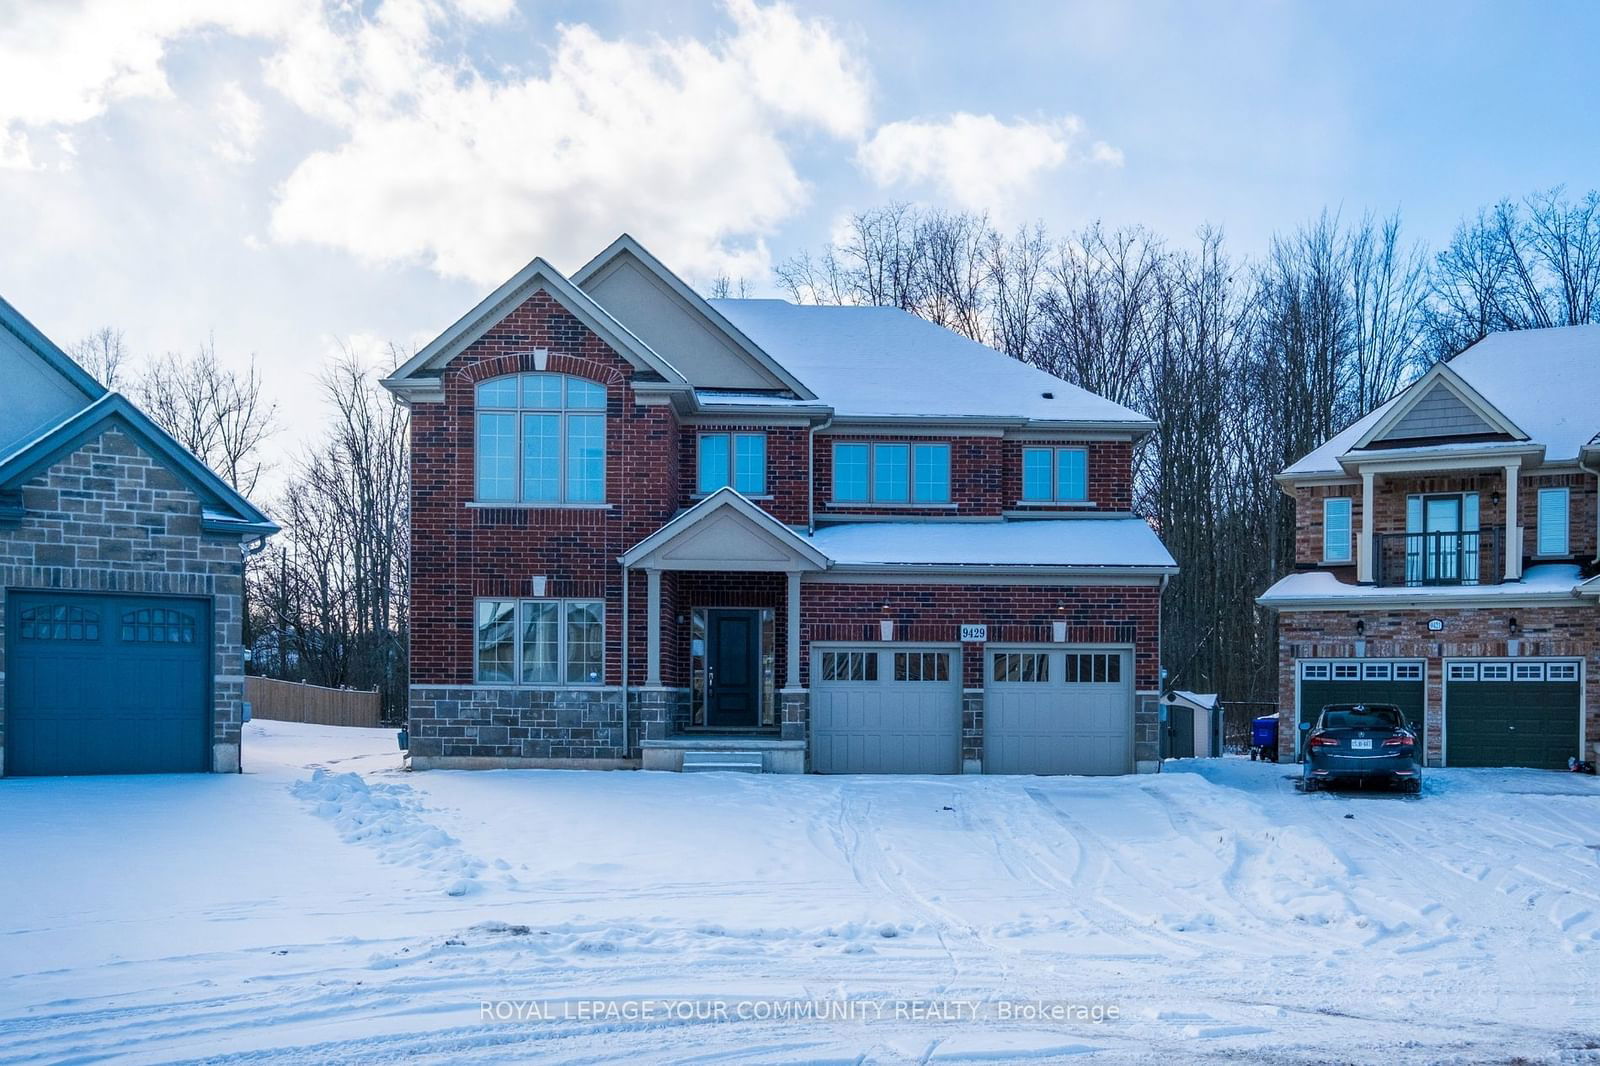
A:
[366,914]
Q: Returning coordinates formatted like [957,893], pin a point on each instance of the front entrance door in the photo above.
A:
[733,669]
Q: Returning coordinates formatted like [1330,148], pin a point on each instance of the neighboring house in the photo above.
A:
[1445,553]
[121,579]
[835,537]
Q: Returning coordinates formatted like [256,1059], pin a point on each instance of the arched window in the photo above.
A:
[59,621]
[541,439]
[157,625]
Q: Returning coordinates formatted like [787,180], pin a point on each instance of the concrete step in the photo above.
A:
[744,762]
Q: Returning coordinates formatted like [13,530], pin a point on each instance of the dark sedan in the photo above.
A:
[1362,742]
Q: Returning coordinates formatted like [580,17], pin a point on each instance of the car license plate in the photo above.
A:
[1361,745]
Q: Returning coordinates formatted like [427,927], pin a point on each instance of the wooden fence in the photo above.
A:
[287,701]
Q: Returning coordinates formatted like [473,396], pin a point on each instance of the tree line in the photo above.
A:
[1244,365]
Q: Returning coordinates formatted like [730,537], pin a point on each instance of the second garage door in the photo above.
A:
[1513,712]
[1049,711]
[885,710]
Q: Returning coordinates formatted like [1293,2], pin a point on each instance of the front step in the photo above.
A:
[741,762]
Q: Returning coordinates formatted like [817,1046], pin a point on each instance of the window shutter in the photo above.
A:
[1553,505]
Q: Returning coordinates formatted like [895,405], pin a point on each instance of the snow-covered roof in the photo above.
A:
[1101,543]
[1544,380]
[884,362]
[1319,586]
[1199,699]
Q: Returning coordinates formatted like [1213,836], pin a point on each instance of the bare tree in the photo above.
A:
[104,354]
[218,414]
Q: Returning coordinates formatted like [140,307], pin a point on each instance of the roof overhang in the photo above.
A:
[725,531]
[417,380]
[224,510]
[1440,457]
[13,322]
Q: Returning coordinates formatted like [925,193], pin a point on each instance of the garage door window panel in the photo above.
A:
[157,625]
[921,666]
[1023,667]
[59,621]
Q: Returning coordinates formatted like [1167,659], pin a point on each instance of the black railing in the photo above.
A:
[1419,559]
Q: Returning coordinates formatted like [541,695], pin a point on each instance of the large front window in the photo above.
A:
[540,642]
[891,473]
[541,439]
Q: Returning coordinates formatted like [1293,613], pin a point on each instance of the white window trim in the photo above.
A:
[1349,530]
[516,642]
[1055,477]
[871,499]
[733,462]
[1566,524]
[562,413]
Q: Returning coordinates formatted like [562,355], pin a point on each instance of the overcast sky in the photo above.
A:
[294,175]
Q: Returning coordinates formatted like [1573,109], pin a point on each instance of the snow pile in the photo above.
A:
[390,819]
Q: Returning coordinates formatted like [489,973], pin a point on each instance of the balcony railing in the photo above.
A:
[1420,559]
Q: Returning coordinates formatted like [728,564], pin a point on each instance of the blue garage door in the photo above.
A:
[106,684]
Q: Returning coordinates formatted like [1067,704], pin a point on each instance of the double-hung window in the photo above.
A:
[1554,506]
[1055,475]
[1336,529]
[891,473]
[737,459]
[541,439]
[540,642]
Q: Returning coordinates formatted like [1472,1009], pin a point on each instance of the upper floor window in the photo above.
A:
[541,439]
[1336,529]
[1554,505]
[737,459]
[891,473]
[1055,475]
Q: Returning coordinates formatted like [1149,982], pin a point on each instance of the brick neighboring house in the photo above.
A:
[654,530]
[1446,556]
[121,579]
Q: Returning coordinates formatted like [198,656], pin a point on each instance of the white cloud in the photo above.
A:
[682,143]
[63,64]
[975,161]
[238,119]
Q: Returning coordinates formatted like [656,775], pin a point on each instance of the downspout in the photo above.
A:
[1596,472]
[811,474]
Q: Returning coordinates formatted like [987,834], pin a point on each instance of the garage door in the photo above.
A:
[106,684]
[877,710]
[1057,711]
[1520,712]
[1396,681]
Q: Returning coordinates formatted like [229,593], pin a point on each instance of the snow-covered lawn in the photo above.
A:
[326,906]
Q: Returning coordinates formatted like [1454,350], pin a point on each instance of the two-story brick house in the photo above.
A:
[1446,557]
[651,529]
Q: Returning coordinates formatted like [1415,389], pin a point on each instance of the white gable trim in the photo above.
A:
[725,531]
[412,378]
[625,245]
[1440,376]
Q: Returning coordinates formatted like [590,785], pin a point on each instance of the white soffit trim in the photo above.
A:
[537,275]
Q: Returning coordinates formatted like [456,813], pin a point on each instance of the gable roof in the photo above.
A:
[884,363]
[417,378]
[224,509]
[1541,381]
[625,251]
[725,531]
[1463,406]
[18,326]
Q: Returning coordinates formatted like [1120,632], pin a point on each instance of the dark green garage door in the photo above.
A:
[1396,681]
[106,684]
[1512,713]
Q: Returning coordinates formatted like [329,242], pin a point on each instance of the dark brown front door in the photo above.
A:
[733,660]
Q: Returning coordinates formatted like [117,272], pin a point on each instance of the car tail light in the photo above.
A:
[1400,742]
[1320,741]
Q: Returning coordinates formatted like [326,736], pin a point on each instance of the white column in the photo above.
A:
[1513,531]
[652,651]
[792,658]
[1365,545]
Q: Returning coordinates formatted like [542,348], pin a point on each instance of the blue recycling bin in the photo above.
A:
[1264,738]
